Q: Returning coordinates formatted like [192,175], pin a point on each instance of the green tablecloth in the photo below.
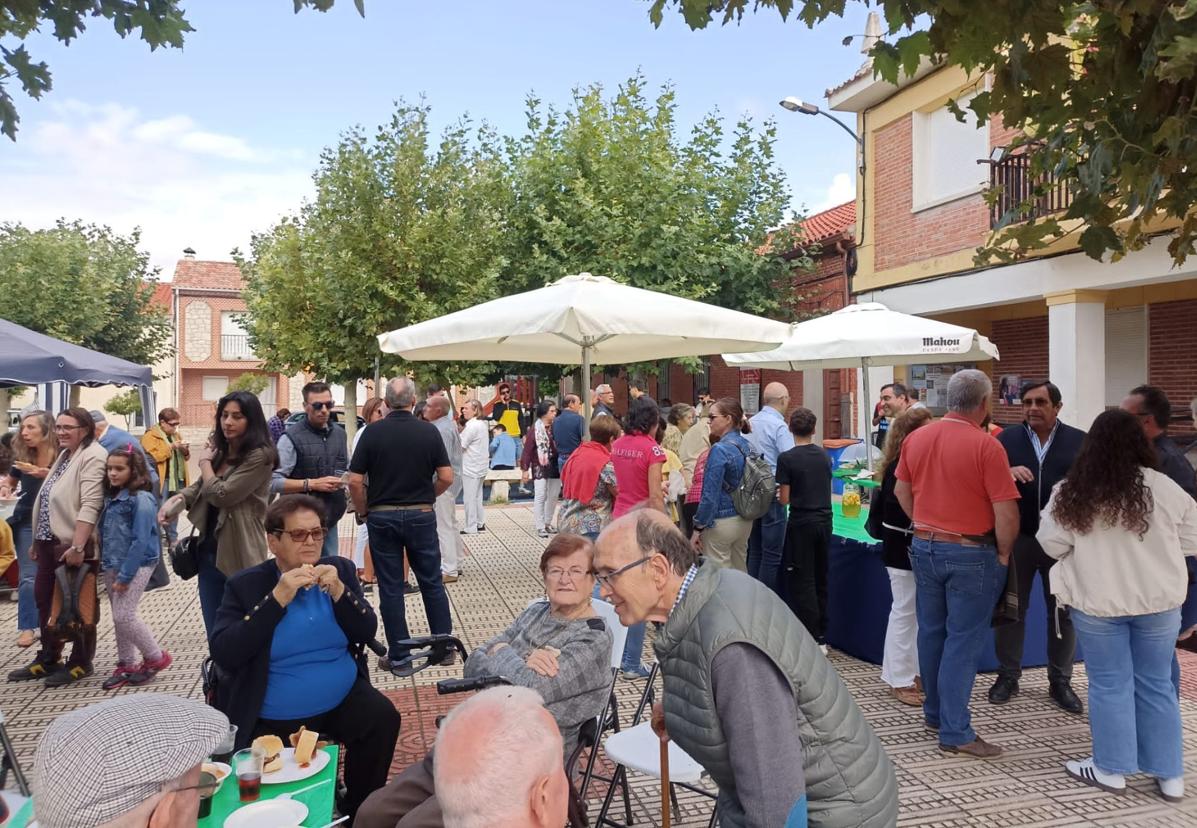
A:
[319,801]
[851,528]
[21,809]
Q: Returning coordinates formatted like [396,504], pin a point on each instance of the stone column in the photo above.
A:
[1076,323]
[812,398]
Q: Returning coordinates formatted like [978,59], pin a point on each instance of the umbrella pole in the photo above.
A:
[587,412]
[867,414]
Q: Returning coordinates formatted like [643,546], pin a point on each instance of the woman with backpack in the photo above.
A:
[720,532]
[129,550]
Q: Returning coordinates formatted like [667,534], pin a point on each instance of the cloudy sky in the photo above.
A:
[204,146]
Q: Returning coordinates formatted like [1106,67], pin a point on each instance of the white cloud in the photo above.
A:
[182,184]
[819,196]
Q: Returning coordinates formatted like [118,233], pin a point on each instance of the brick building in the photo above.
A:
[1096,328]
[211,347]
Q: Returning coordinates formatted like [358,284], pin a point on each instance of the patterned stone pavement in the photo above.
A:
[1026,787]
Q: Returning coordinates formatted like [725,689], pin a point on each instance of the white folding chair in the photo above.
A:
[638,749]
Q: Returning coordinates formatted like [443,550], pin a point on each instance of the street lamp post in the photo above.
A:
[793,104]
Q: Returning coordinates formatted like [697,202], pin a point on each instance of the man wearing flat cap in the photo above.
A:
[127,762]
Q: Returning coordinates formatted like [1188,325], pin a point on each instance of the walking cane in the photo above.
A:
[665,808]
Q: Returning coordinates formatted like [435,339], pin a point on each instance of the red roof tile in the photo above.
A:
[195,273]
[829,223]
[162,295]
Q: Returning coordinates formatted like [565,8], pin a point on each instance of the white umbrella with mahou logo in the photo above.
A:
[870,334]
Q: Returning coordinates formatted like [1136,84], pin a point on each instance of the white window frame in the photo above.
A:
[231,326]
[204,387]
[923,157]
[1118,337]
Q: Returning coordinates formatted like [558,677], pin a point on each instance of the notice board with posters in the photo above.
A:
[750,390]
[931,381]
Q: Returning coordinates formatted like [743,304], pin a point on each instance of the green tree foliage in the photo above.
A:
[157,22]
[400,230]
[608,187]
[84,284]
[1104,91]
[251,381]
[124,404]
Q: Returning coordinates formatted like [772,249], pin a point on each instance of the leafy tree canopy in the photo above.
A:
[84,284]
[157,22]
[125,404]
[1103,91]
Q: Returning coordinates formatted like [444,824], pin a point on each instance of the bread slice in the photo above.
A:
[273,764]
[305,747]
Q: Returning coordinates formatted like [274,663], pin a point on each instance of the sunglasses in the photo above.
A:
[174,424]
[320,406]
[301,535]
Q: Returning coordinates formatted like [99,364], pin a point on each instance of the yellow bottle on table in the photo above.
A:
[850,502]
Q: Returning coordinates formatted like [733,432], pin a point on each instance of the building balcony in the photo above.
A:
[235,347]
[1022,193]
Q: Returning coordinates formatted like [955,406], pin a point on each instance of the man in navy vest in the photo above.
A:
[1041,452]
[313,455]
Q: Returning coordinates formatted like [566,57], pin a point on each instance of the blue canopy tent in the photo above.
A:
[31,358]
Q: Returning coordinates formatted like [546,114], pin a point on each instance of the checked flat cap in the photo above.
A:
[99,762]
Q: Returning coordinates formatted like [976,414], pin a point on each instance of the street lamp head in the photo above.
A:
[798,105]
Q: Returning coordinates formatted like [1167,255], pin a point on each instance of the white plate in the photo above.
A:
[271,813]
[225,772]
[292,772]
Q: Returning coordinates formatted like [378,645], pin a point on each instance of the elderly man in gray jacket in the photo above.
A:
[748,694]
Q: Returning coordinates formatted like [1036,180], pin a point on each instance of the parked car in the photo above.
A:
[338,417]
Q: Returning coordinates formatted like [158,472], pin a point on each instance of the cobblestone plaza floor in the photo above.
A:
[1025,787]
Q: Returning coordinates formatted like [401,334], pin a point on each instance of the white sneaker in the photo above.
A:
[1173,789]
[1087,772]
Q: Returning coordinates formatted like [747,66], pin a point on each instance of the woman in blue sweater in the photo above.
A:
[288,641]
[720,534]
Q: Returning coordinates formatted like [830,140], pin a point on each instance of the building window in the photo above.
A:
[944,154]
[234,341]
[213,388]
[1126,351]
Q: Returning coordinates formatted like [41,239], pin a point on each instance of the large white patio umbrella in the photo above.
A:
[584,320]
[870,334]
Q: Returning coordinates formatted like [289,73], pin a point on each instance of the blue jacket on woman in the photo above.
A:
[244,632]
[725,467]
[129,534]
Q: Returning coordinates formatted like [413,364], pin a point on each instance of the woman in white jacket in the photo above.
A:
[1120,531]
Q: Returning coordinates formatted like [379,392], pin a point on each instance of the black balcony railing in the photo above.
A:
[235,346]
[1022,193]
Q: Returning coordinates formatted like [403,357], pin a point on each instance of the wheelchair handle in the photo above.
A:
[465,685]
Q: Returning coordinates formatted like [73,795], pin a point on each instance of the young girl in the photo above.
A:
[129,548]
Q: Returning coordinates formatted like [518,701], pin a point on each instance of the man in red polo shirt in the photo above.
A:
[954,481]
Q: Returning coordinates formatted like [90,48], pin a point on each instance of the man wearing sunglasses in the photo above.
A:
[747,693]
[312,457]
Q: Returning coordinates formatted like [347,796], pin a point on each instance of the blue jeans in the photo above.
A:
[211,588]
[27,567]
[390,534]
[1134,714]
[766,545]
[633,646]
[956,588]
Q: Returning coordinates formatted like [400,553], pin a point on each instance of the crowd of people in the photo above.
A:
[651,512]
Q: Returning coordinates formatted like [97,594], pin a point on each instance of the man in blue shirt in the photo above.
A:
[770,436]
[504,449]
[568,428]
[111,437]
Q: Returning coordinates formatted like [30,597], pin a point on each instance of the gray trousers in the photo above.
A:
[1029,558]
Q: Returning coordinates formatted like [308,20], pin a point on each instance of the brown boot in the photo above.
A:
[907,695]
[978,748]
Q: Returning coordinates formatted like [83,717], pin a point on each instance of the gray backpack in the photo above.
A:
[758,487]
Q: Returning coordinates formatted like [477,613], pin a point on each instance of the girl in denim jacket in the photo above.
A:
[129,552]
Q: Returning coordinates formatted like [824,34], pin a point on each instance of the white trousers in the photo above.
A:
[900,663]
[475,511]
[446,531]
[544,501]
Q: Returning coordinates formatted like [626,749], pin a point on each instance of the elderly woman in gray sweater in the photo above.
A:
[560,648]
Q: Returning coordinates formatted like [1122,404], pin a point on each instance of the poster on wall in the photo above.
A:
[1008,389]
[931,382]
[750,390]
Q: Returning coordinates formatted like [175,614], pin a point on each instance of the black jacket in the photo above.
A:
[885,508]
[1066,445]
[244,632]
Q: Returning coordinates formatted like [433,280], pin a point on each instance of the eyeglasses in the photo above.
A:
[320,406]
[301,535]
[174,424]
[575,573]
[606,580]
[66,427]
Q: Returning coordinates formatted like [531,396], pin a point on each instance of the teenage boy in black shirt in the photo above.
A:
[804,481]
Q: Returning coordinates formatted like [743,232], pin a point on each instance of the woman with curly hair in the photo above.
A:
[1120,531]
